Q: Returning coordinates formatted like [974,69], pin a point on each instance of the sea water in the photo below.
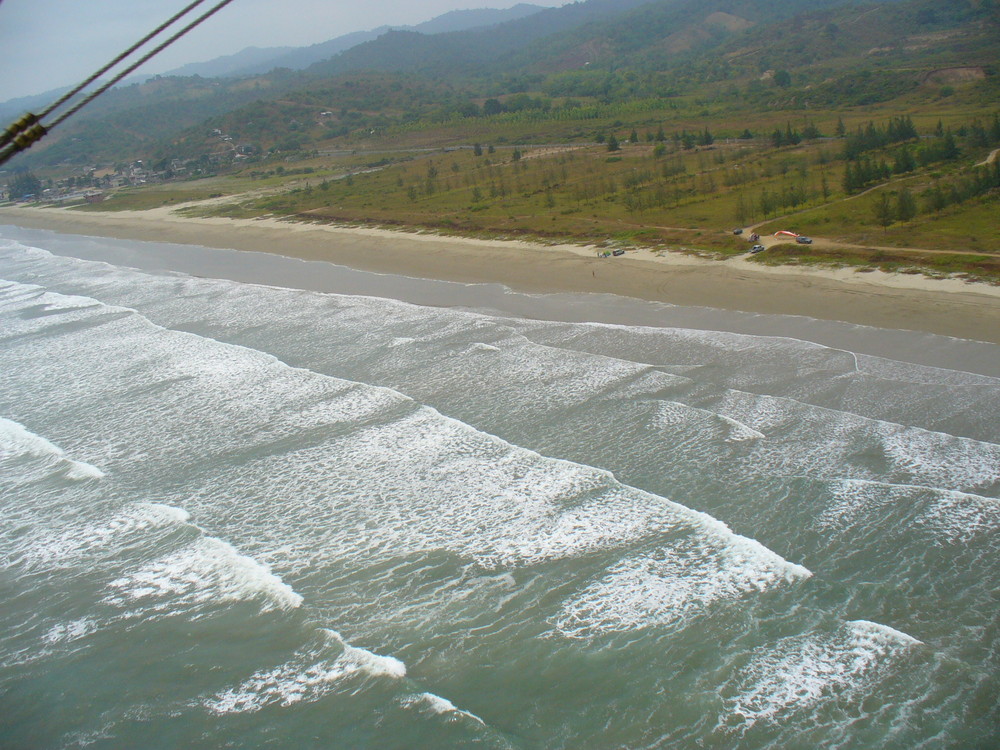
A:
[244,505]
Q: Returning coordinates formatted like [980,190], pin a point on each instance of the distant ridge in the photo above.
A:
[255,60]
[471,49]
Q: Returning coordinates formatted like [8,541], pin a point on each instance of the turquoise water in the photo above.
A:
[238,515]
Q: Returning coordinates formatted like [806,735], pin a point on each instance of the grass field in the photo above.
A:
[562,181]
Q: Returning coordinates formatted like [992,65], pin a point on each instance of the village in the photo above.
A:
[92,183]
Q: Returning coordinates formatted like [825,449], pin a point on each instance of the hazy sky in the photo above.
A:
[45,44]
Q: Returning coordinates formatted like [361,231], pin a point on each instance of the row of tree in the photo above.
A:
[863,171]
[902,206]
[23,185]
[872,137]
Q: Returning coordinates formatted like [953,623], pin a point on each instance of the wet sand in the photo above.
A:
[892,301]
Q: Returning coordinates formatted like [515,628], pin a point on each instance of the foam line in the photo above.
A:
[70,631]
[877,630]
[16,439]
[935,458]
[704,344]
[308,676]
[208,570]
[797,674]
[75,542]
[504,505]
[955,515]
[438,705]
[675,413]
[672,585]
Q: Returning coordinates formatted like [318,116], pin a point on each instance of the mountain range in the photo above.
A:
[607,50]
[255,60]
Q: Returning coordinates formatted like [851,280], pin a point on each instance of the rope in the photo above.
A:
[120,57]
[29,129]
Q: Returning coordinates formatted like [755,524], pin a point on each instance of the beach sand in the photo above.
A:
[893,301]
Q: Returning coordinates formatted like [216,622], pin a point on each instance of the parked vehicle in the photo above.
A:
[737,231]
[618,252]
[804,240]
[756,248]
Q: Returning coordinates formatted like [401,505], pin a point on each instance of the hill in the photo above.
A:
[254,61]
[478,51]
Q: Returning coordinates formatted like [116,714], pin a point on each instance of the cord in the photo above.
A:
[27,130]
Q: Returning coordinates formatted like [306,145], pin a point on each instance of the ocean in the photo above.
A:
[249,501]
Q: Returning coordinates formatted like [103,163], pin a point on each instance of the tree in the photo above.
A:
[904,161]
[792,137]
[782,78]
[492,107]
[883,210]
[906,206]
[23,185]
[613,143]
[949,149]
[477,149]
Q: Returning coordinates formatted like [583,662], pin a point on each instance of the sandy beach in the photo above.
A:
[892,301]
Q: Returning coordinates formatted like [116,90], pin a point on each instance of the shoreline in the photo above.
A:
[890,301]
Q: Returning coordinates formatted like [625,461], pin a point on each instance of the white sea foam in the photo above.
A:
[78,470]
[882,633]
[118,529]
[438,705]
[70,631]
[308,676]
[208,570]
[461,490]
[16,439]
[943,459]
[673,414]
[738,432]
[674,584]
[958,516]
[357,403]
[950,515]
[481,347]
[800,672]
[19,249]
[821,442]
